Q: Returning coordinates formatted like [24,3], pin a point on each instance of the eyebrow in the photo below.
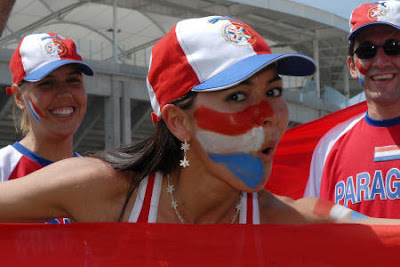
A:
[274,79]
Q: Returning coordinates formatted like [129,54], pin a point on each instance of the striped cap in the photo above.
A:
[41,53]
[376,13]
[210,54]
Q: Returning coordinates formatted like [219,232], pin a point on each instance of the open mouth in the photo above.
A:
[63,112]
[267,151]
[382,77]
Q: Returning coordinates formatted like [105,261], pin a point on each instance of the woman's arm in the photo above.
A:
[83,189]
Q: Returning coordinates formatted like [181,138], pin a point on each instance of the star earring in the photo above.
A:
[185,147]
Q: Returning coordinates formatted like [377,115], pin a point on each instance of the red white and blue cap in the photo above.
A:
[39,54]
[375,13]
[210,54]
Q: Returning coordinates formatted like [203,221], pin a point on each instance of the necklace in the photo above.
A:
[174,204]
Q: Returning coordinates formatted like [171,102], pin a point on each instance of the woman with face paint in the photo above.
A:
[50,102]
[216,92]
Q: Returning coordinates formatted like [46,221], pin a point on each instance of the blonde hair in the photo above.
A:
[20,117]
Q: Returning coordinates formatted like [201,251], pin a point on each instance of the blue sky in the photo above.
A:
[341,8]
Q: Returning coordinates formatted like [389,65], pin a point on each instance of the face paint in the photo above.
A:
[325,208]
[233,123]
[224,144]
[248,168]
[360,72]
[234,153]
[355,216]
[231,138]
[35,111]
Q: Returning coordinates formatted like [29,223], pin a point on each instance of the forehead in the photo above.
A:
[376,33]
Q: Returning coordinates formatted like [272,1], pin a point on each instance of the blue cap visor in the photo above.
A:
[293,64]
[365,26]
[45,70]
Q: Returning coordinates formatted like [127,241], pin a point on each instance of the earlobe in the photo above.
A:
[177,121]
[352,67]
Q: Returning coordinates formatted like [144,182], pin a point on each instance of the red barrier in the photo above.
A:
[124,244]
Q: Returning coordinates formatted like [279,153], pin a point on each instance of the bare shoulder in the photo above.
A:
[83,189]
[79,185]
[82,170]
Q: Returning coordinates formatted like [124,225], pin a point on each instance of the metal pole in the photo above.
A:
[115,31]
[346,85]
[316,58]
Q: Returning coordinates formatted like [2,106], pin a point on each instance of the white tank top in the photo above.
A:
[145,208]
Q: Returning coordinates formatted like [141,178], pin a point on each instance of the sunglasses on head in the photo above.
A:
[368,49]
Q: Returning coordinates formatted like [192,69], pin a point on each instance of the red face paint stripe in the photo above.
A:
[323,208]
[233,123]
[37,110]
[360,68]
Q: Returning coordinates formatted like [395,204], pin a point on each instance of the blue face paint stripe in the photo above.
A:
[248,168]
[361,81]
[354,216]
[33,111]
[360,78]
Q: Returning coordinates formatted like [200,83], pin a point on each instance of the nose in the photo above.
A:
[266,115]
[381,59]
[62,88]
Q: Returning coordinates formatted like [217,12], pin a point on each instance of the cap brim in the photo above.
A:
[45,70]
[293,64]
[365,26]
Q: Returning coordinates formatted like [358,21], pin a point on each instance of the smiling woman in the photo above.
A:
[216,93]
[50,103]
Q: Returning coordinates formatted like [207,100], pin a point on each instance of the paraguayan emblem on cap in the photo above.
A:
[237,34]
[54,46]
[378,10]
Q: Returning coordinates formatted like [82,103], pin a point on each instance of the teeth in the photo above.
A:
[62,111]
[383,77]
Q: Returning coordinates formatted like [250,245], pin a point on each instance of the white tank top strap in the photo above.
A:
[141,196]
[249,209]
[256,209]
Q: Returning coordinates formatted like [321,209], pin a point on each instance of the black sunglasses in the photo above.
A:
[368,49]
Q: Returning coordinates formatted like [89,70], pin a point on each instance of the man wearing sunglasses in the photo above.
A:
[357,163]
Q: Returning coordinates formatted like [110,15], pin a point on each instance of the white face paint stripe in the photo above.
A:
[339,212]
[212,142]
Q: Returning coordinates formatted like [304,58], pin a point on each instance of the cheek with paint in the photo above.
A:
[233,139]
[360,71]
[35,111]
[326,209]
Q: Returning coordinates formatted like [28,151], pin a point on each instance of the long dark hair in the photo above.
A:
[158,153]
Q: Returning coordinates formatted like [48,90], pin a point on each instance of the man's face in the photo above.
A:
[379,74]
